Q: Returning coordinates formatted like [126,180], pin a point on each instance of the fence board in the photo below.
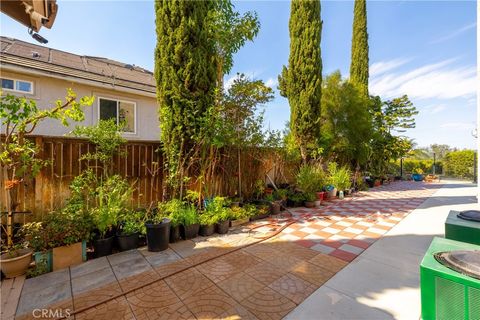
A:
[139,162]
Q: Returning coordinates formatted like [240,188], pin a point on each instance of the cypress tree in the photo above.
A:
[185,76]
[301,81]
[359,62]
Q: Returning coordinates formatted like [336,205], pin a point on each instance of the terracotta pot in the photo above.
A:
[377,183]
[16,266]
[318,203]
[66,256]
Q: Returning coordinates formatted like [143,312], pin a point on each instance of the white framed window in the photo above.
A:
[124,112]
[16,85]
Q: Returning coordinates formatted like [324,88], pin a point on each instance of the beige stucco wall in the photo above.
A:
[47,90]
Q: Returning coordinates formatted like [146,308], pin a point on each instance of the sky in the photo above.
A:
[425,49]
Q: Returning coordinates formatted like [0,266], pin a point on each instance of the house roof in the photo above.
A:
[117,74]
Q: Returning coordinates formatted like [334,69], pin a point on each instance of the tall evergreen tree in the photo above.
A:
[185,76]
[359,62]
[301,81]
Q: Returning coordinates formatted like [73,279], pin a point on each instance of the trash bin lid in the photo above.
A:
[472,215]
[466,262]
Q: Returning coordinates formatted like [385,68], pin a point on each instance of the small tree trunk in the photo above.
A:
[304,154]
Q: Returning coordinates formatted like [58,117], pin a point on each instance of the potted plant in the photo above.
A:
[112,195]
[310,179]
[223,220]
[239,216]
[274,205]
[342,180]
[262,212]
[207,222]
[189,226]
[219,211]
[130,228]
[157,227]
[310,199]
[280,196]
[296,199]
[15,261]
[173,210]
[37,239]
[19,159]
[417,174]
[68,232]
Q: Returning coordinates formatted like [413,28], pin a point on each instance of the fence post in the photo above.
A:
[38,203]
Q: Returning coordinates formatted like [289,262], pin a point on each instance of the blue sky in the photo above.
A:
[426,49]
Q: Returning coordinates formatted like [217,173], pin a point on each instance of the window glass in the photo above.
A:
[126,116]
[108,109]
[7,84]
[23,86]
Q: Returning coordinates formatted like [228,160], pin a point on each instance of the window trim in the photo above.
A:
[15,85]
[120,100]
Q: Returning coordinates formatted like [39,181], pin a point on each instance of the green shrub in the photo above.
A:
[459,164]
[218,209]
[238,213]
[189,215]
[207,219]
[113,195]
[132,221]
[310,178]
[339,177]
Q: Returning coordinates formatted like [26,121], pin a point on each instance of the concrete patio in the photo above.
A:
[238,276]
[388,287]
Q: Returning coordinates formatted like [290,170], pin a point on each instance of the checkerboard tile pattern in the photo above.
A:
[345,228]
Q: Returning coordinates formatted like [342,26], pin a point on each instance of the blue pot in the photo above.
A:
[417,177]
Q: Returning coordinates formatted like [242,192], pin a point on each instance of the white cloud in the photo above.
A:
[434,108]
[438,80]
[458,125]
[381,67]
[454,33]
[271,82]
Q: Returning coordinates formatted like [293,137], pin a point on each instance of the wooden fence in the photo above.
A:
[140,162]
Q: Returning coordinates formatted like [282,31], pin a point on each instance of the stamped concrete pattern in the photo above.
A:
[218,277]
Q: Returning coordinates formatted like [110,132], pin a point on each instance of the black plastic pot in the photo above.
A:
[127,242]
[142,240]
[370,183]
[158,235]
[206,230]
[174,234]
[222,227]
[103,247]
[189,232]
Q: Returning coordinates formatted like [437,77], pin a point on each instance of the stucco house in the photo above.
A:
[122,91]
